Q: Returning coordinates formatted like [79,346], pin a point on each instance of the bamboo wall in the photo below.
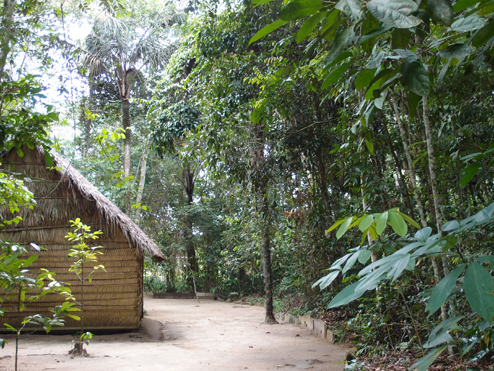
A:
[114,298]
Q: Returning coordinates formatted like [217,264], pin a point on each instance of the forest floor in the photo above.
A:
[185,335]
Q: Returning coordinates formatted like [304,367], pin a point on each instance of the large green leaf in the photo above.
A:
[351,262]
[336,75]
[440,334]
[331,21]
[30,261]
[483,35]
[364,77]
[341,260]
[470,23]
[371,281]
[479,290]
[400,38]
[366,222]
[463,4]
[342,40]
[326,280]
[266,30]
[468,173]
[450,226]
[378,81]
[457,51]
[423,234]
[381,222]
[309,25]
[335,225]
[370,24]
[399,267]
[397,223]
[364,256]
[395,13]
[352,8]
[443,289]
[486,9]
[485,259]
[344,227]
[407,55]
[441,11]
[408,219]
[423,363]
[346,295]
[300,9]
[416,78]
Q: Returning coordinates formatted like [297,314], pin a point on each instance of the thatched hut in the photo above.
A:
[114,299]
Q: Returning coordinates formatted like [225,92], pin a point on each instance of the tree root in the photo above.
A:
[78,351]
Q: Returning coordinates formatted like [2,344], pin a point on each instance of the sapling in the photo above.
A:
[83,253]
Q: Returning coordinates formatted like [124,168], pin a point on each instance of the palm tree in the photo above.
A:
[127,46]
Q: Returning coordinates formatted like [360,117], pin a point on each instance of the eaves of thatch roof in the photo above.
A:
[110,213]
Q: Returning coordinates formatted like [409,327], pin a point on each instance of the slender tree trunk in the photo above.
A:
[264,217]
[411,167]
[433,181]
[432,164]
[433,178]
[321,166]
[266,253]
[142,181]
[401,181]
[6,33]
[126,127]
[191,252]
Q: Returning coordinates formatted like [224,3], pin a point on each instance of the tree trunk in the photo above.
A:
[401,180]
[411,167]
[321,166]
[423,222]
[189,243]
[6,33]
[433,181]
[264,217]
[266,254]
[126,127]
[142,181]
[432,164]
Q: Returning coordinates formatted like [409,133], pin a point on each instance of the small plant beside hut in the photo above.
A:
[84,254]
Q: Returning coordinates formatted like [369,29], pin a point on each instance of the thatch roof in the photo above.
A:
[110,213]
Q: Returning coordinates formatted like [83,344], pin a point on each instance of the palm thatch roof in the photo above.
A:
[110,213]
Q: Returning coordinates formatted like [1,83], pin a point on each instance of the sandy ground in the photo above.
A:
[179,335]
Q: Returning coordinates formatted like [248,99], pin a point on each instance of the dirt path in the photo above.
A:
[184,335]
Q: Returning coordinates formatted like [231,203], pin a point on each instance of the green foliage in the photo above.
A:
[82,252]
[478,283]
[21,122]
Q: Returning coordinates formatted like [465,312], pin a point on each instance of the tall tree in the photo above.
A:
[127,45]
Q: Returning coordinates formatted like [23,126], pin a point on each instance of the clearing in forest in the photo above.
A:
[186,335]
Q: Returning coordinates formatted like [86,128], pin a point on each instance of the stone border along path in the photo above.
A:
[321,330]
[186,335]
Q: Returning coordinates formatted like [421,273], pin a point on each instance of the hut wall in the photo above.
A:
[113,300]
